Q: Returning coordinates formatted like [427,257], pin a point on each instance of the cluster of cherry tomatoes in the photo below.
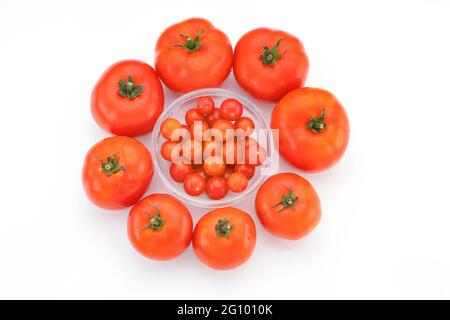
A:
[128,99]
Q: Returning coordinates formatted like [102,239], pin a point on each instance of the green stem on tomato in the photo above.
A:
[156,221]
[128,89]
[191,45]
[317,124]
[269,56]
[287,201]
[223,228]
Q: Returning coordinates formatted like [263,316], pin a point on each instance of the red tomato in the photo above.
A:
[231,109]
[205,105]
[313,128]
[213,116]
[193,54]
[171,151]
[224,238]
[245,124]
[216,188]
[237,182]
[225,127]
[269,63]
[288,206]
[194,184]
[214,166]
[168,126]
[117,172]
[128,98]
[248,171]
[160,227]
[193,115]
[179,171]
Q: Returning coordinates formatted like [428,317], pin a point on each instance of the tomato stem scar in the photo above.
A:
[223,228]
[287,201]
[269,56]
[112,165]
[128,89]
[191,45]
[156,222]
[317,124]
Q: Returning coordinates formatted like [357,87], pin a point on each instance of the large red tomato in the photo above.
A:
[128,98]
[193,54]
[116,173]
[313,128]
[269,63]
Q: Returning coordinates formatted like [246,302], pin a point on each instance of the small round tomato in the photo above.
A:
[225,127]
[231,109]
[214,166]
[192,150]
[213,116]
[198,130]
[288,206]
[171,151]
[205,105]
[313,128]
[193,54]
[127,99]
[237,182]
[216,188]
[248,171]
[194,184]
[168,126]
[269,63]
[116,172]
[245,124]
[160,227]
[179,171]
[224,238]
[193,115]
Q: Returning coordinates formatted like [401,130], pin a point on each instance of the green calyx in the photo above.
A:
[128,89]
[287,201]
[191,45]
[223,228]
[317,124]
[111,165]
[156,222]
[269,56]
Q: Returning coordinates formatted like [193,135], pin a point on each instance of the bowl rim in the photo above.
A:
[196,201]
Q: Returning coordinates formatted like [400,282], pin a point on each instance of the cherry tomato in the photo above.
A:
[160,227]
[171,150]
[213,116]
[193,54]
[216,188]
[205,105]
[179,171]
[313,128]
[225,127]
[287,206]
[214,166]
[168,126]
[269,63]
[245,124]
[198,130]
[193,115]
[231,109]
[237,182]
[224,238]
[248,171]
[117,172]
[194,184]
[127,99]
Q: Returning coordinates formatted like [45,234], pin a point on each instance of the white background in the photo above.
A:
[385,230]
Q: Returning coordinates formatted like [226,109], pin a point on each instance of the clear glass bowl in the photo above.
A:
[177,110]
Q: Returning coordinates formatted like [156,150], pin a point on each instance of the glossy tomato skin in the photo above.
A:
[160,243]
[216,188]
[206,67]
[122,115]
[269,82]
[119,190]
[289,223]
[307,150]
[224,252]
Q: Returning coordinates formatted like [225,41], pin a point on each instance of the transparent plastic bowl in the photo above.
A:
[177,110]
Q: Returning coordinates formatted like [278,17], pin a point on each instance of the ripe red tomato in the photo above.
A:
[170,149]
[225,127]
[224,238]
[245,124]
[179,171]
[269,63]
[288,206]
[213,116]
[205,105]
[313,128]
[116,173]
[231,109]
[248,171]
[214,166]
[160,227]
[128,98]
[193,115]
[237,182]
[193,54]
[168,126]
[194,184]
[216,188]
